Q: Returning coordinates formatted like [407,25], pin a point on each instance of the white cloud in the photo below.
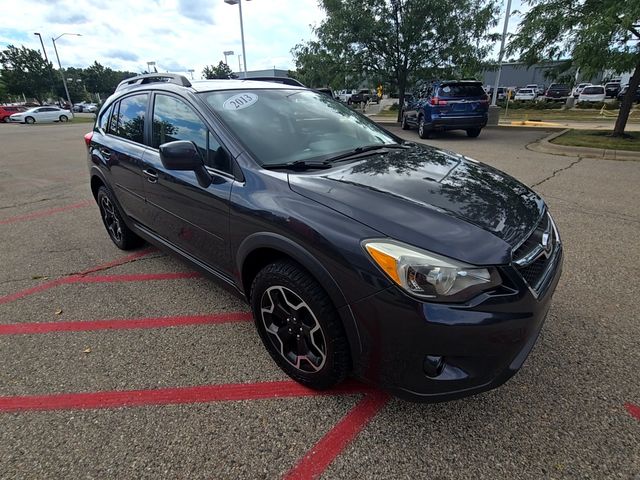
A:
[176,34]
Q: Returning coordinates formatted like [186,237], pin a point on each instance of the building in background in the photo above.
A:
[517,74]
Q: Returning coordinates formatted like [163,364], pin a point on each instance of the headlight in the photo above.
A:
[428,275]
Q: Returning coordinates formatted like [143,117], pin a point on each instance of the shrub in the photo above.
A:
[394,107]
[614,105]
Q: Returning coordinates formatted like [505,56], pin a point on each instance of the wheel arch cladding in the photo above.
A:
[260,249]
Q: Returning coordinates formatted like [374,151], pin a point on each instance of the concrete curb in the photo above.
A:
[545,146]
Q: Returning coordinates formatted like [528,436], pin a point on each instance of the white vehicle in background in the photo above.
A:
[345,95]
[44,114]
[592,93]
[538,89]
[90,108]
[526,94]
[578,89]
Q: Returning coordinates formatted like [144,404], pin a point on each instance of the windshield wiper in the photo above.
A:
[297,165]
[365,148]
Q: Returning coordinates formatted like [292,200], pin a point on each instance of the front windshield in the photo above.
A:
[284,126]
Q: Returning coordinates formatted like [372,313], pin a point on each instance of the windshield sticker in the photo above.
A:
[240,101]
[446,89]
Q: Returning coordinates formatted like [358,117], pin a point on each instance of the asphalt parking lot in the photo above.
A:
[131,365]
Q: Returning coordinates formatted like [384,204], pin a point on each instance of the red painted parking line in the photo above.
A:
[171,396]
[634,410]
[122,324]
[44,213]
[316,461]
[137,277]
[80,277]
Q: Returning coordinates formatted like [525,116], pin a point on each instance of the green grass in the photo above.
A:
[599,139]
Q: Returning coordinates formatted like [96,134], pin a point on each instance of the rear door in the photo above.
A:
[121,147]
[460,100]
[192,217]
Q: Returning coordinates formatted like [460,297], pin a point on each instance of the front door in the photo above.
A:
[193,217]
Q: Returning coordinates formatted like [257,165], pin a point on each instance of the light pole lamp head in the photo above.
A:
[228,53]
[231,2]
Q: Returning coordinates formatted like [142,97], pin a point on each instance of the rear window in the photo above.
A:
[459,90]
[593,90]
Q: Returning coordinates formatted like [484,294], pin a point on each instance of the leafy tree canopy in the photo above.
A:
[596,35]
[403,40]
[24,71]
[222,71]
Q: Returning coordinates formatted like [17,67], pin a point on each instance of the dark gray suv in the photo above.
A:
[412,268]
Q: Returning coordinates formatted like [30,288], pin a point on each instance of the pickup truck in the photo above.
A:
[558,90]
[363,95]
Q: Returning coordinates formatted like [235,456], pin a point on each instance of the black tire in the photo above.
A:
[63,118]
[118,231]
[29,120]
[473,132]
[315,320]
[404,124]
[423,131]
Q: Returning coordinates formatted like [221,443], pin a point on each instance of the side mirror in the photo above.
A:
[183,155]
[180,155]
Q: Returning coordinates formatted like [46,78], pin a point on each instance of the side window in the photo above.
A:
[131,117]
[174,120]
[112,121]
[103,123]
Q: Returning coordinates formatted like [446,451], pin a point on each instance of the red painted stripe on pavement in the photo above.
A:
[137,277]
[122,324]
[73,278]
[634,410]
[44,213]
[166,396]
[318,459]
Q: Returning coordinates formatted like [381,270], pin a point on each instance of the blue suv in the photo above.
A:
[450,105]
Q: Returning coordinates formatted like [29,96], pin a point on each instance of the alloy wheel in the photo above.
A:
[110,219]
[293,329]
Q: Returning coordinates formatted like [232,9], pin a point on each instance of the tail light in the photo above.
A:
[437,101]
[87,138]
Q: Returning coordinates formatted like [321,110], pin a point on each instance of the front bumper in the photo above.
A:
[481,345]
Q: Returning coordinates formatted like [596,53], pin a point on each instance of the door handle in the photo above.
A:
[152,176]
[106,153]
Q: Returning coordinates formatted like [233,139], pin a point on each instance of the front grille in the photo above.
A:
[532,259]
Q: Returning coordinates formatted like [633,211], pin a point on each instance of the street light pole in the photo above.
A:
[227,53]
[494,98]
[43,50]
[244,53]
[64,80]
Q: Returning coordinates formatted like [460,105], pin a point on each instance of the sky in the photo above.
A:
[176,34]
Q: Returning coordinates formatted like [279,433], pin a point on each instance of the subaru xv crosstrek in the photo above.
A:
[454,105]
[415,269]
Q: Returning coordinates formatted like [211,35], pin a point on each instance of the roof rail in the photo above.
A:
[283,80]
[174,78]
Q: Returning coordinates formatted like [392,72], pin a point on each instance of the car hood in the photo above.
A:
[437,200]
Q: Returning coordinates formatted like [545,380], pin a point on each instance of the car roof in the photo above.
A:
[216,85]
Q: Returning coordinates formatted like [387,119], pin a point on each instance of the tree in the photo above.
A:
[596,35]
[221,71]
[24,71]
[395,40]
[317,67]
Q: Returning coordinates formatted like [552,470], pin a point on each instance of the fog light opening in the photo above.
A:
[433,365]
